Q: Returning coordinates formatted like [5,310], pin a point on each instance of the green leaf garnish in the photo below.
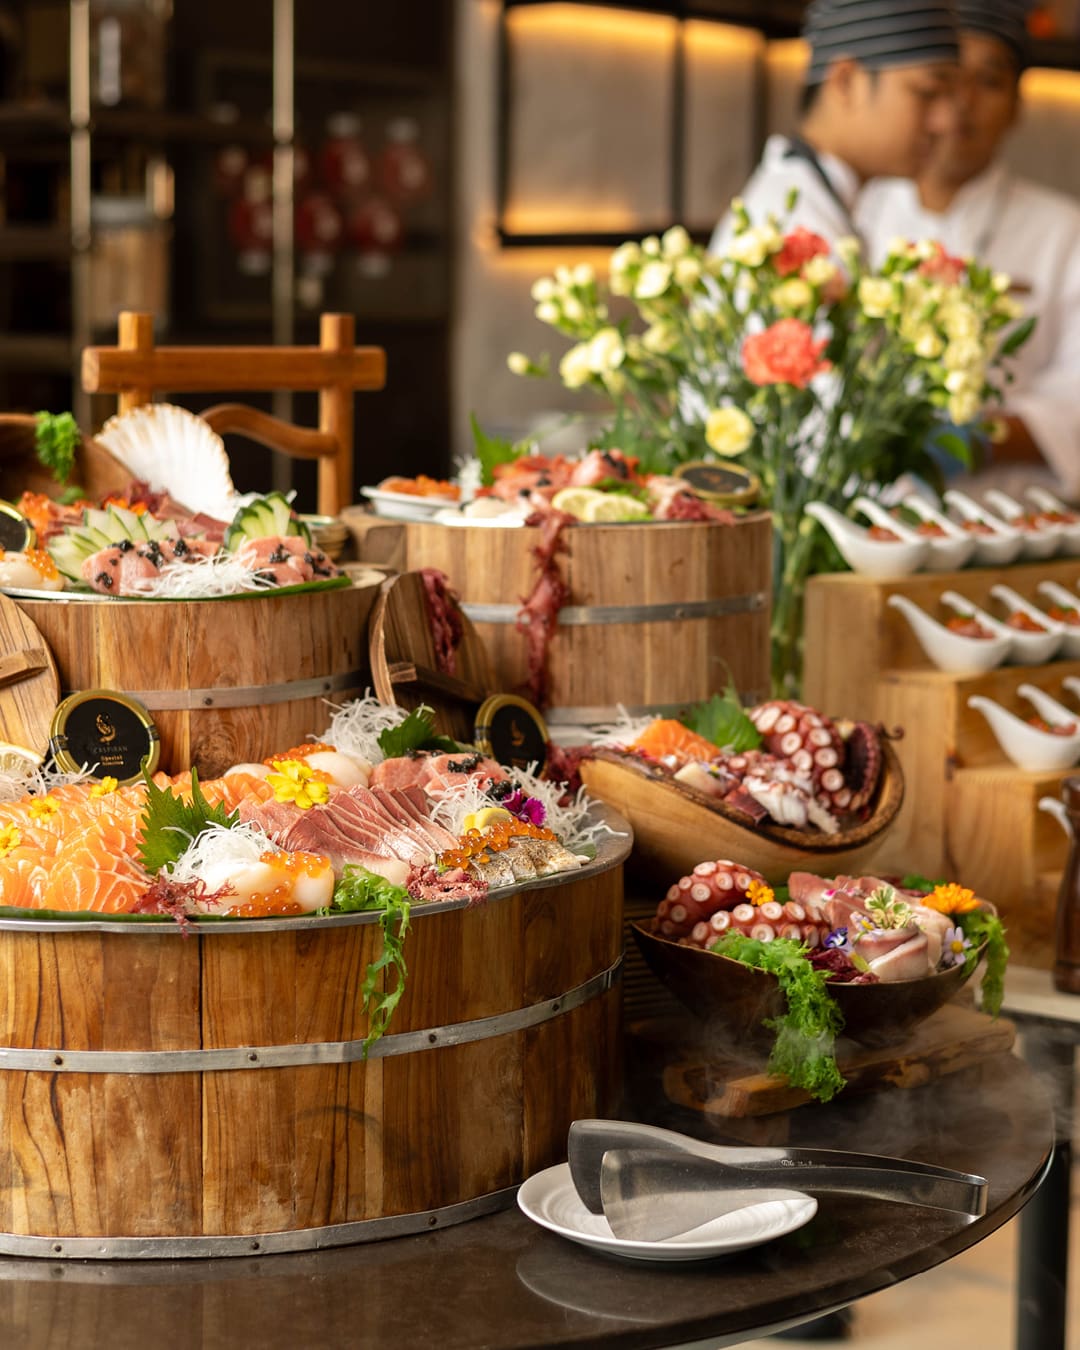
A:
[722,720]
[804,1049]
[417,732]
[56,436]
[982,927]
[360,889]
[915,882]
[170,825]
[492,451]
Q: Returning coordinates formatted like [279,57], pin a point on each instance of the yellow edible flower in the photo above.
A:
[10,837]
[107,785]
[951,899]
[43,808]
[295,782]
[759,894]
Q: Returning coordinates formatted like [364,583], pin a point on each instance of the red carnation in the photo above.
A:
[942,266]
[785,353]
[799,247]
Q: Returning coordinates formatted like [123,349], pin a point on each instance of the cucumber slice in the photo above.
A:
[267,517]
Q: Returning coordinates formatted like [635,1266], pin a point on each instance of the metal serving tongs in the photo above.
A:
[629,1172]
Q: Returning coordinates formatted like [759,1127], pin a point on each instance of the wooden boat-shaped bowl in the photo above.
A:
[675,826]
[737,998]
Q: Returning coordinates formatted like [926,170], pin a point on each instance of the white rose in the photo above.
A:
[625,256]
[654,280]
[564,276]
[687,272]
[547,312]
[820,271]
[518,363]
[753,246]
[728,431]
[793,294]
[876,296]
[651,246]
[675,242]
[606,351]
[544,289]
[573,309]
[584,275]
[575,368]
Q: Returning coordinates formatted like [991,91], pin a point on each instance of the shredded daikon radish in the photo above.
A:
[218,846]
[17,781]
[203,579]
[355,726]
[618,735]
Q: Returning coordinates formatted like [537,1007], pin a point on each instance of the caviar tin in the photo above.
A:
[16,532]
[107,731]
[722,482]
[511,731]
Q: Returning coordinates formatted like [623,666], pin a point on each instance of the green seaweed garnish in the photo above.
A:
[56,436]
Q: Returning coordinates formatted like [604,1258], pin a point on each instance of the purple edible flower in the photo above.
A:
[533,810]
[838,938]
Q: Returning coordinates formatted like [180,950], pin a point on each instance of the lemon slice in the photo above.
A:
[615,506]
[576,501]
[16,759]
[484,819]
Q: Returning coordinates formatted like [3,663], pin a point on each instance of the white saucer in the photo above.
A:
[405,505]
[550,1199]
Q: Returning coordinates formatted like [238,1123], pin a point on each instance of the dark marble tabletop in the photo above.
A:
[502,1283]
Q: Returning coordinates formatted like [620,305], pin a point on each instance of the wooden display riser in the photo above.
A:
[723,1083]
[968,814]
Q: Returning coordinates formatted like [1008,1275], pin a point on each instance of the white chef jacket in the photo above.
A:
[816,209]
[1033,234]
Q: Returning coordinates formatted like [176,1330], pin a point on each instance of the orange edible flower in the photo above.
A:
[758,893]
[951,899]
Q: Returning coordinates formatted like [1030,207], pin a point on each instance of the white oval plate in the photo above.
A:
[405,505]
[550,1199]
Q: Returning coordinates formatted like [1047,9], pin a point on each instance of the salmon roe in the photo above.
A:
[293,864]
[480,844]
[40,559]
[299,752]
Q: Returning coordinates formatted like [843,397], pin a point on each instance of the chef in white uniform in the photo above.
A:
[975,206]
[878,90]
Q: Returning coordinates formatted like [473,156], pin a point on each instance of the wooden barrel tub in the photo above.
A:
[657,615]
[164,1096]
[226,680]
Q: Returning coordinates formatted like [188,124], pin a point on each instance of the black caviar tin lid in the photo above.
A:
[108,732]
[511,731]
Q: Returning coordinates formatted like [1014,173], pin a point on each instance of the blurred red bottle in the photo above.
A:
[404,170]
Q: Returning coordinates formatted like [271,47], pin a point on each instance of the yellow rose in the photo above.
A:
[728,431]
[792,295]
[876,296]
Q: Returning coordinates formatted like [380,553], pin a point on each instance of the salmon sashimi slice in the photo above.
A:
[666,737]
[97,869]
[23,878]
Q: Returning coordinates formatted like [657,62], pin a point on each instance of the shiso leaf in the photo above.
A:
[417,732]
[723,721]
[169,825]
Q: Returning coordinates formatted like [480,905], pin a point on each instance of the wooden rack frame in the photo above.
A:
[135,370]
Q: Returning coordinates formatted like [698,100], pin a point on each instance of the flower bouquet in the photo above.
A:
[828,380]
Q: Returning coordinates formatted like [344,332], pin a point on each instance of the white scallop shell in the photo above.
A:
[175,452]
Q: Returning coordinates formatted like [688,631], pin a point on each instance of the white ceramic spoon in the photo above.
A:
[1029,748]
[1030,648]
[1022,651]
[1054,806]
[948,551]
[1042,542]
[948,650]
[1044,500]
[870,557]
[1002,546]
[1058,595]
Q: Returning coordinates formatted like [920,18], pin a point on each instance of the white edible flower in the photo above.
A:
[877,297]
[547,312]
[584,275]
[728,431]
[820,271]
[575,367]
[687,272]
[606,351]
[792,295]
[544,289]
[651,246]
[654,280]
[675,242]
[518,363]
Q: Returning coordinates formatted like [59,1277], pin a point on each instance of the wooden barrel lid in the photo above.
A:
[29,683]
[404,665]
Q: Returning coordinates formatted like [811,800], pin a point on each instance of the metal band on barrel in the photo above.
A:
[244,696]
[320,1052]
[257,1244]
[585,616]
